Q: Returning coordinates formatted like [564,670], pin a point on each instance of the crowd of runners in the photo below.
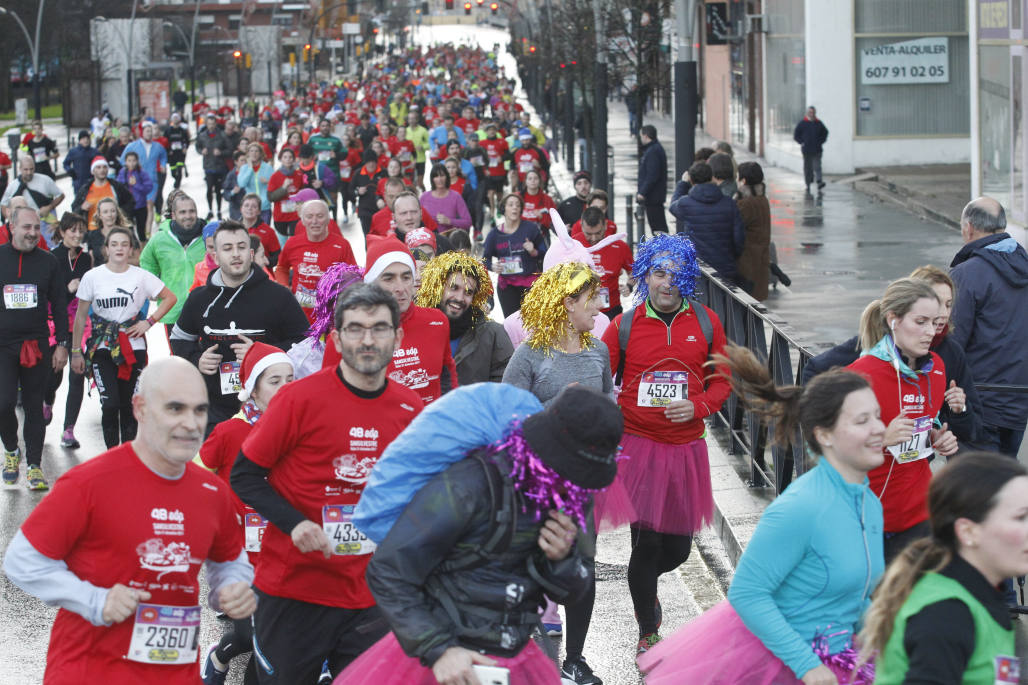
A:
[385,484]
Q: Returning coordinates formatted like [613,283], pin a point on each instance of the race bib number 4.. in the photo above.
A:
[661,388]
[1007,669]
[254,526]
[510,265]
[165,635]
[306,297]
[229,375]
[20,296]
[336,520]
[917,447]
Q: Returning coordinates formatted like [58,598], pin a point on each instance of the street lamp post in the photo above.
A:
[191,44]
[34,49]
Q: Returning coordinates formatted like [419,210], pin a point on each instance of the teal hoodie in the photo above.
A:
[811,566]
[165,258]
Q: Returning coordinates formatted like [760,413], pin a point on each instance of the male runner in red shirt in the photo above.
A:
[306,256]
[304,468]
[122,563]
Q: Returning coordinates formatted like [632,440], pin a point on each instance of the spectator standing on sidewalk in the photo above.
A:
[811,134]
[754,263]
[652,189]
[990,319]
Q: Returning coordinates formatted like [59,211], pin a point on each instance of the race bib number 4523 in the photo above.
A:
[165,635]
[661,388]
[337,522]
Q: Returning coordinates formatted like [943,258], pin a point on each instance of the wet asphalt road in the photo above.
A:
[840,249]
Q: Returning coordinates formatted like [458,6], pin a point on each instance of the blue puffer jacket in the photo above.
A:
[811,566]
[990,321]
[714,224]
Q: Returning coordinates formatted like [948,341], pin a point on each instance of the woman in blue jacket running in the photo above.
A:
[807,574]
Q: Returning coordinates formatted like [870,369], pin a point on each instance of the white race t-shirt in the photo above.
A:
[119,297]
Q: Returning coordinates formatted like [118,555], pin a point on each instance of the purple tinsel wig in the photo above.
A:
[673,253]
[335,280]
[844,664]
[542,487]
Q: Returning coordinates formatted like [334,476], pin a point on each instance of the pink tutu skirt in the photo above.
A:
[612,507]
[717,648]
[668,485]
[386,664]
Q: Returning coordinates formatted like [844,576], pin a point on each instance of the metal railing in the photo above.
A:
[749,324]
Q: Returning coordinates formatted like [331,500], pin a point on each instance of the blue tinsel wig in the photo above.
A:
[673,253]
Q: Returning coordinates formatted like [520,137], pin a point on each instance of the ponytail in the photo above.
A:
[917,559]
[872,325]
[791,406]
[965,488]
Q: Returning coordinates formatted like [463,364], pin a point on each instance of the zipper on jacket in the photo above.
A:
[867,549]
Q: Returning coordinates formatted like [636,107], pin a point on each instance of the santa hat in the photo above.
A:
[381,253]
[419,237]
[97,161]
[258,358]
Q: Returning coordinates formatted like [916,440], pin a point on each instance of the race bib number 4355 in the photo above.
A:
[337,522]
[165,635]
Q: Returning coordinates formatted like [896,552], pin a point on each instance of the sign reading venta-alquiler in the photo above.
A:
[924,60]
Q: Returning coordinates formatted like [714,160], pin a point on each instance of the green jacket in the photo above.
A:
[991,640]
[165,258]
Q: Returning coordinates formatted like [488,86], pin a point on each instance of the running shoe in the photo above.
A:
[646,642]
[48,413]
[553,629]
[68,439]
[577,672]
[326,675]
[209,673]
[34,475]
[12,461]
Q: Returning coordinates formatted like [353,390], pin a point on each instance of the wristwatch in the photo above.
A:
[150,320]
[63,343]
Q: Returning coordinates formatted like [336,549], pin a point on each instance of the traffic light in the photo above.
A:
[479,2]
[494,7]
[238,57]
[467,8]
[249,61]
[449,4]
[306,51]
[531,48]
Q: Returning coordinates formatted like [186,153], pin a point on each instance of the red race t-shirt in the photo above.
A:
[151,536]
[320,442]
[525,160]
[536,207]
[285,209]
[495,149]
[308,261]
[267,236]
[609,262]
[904,499]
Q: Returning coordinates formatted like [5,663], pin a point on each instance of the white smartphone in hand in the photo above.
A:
[492,675]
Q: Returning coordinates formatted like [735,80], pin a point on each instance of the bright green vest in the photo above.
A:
[991,639]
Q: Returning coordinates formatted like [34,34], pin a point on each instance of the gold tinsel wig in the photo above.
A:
[438,271]
[542,310]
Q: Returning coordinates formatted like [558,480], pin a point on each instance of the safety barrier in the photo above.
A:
[748,323]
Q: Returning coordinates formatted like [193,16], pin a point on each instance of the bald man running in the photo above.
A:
[122,563]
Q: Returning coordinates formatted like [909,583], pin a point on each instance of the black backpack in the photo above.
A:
[626,330]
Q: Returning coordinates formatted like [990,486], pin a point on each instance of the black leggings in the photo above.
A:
[76,385]
[139,216]
[214,181]
[580,614]
[33,382]
[653,553]
[119,425]
[510,298]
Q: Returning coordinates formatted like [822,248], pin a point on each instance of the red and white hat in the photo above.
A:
[381,253]
[258,358]
[98,160]
[419,237]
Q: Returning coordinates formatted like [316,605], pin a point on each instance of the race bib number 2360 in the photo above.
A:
[165,635]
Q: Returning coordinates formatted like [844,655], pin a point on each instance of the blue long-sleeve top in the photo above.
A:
[256,182]
[810,567]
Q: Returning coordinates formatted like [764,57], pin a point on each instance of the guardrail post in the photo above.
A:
[629,228]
